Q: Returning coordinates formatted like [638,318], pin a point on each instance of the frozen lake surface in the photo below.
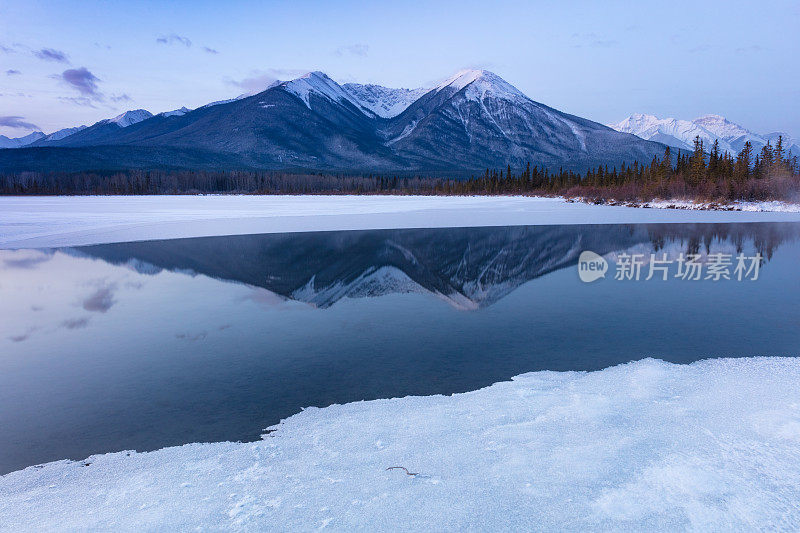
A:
[27,222]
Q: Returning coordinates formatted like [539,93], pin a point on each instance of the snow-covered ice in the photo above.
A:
[648,445]
[773,206]
[78,220]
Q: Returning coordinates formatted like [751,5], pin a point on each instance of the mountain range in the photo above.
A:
[681,133]
[37,138]
[470,121]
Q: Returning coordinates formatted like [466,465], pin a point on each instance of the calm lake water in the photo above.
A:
[151,344]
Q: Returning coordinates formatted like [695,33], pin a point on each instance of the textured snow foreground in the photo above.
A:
[33,222]
[714,445]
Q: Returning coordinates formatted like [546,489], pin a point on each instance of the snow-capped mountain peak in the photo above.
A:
[674,132]
[128,118]
[372,100]
[722,127]
[638,122]
[481,83]
[318,83]
[671,131]
[681,133]
[462,78]
[175,112]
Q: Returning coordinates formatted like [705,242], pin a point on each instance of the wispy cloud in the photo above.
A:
[753,48]
[12,72]
[78,100]
[23,336]
[75,323]
[210,50]
[261,79]
[13,121]
[6,50]
[174,38]
[192,336]
[700,48]
[592,40]
[50,54]
[357,49]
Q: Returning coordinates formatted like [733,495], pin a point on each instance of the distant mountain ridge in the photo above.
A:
[471,121]
[19,142]
[681,133]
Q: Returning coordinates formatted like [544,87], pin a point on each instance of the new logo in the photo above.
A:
[591,266]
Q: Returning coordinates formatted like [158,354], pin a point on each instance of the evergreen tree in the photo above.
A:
[778,153]
[743,162]
[698,171]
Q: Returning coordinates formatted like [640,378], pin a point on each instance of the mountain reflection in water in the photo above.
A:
[468,267]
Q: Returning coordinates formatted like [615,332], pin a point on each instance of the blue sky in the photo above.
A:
[68,63]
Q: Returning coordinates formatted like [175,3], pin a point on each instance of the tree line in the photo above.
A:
[701,174]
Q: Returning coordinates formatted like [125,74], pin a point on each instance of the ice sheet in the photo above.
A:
[30,222]
[643,446]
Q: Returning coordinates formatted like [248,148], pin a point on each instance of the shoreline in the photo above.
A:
[767,206]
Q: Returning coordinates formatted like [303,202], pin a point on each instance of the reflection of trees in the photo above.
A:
[765,237]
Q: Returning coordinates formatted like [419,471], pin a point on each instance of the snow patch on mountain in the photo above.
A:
[175,112]
[460,79]
[405,133]
[384,102]
[129,118]
[228,101]
[66,132]
[320,84]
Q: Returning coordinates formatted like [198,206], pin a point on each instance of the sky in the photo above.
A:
[68,63]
